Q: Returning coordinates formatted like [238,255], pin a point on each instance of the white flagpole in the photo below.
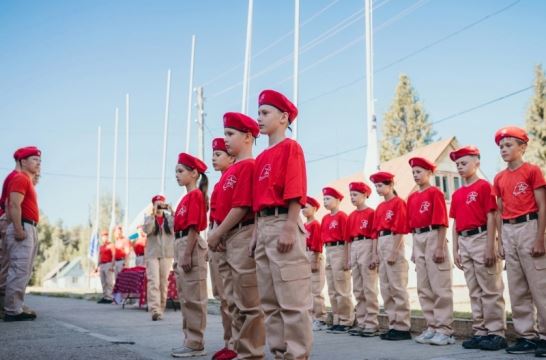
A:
[97,210]
[295,94]
[248,51]
[190,93]
[165,128]
[126,222]
[114,176]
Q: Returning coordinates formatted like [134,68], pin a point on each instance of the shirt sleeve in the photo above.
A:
[439,209]
[401,224]
[490,202]
[343,227]
[242,193]
[496,189]
[316,238]
[536,178]
[372,233]
[295,180]
[19,184]
[195,208]
[453,207]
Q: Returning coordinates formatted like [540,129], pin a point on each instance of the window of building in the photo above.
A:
[456,182]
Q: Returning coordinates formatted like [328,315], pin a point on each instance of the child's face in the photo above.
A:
[308,211]
[330,202]
[511,149]
[235,140]
[357,198]
[467,165]
[270,119]
[383,189]
[185,176]
[420,176]
[221,160]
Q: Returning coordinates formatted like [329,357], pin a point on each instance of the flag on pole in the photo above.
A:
[94,246]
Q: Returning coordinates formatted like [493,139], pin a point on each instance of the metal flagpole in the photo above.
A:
[97,210]
[114,177]
[190,93]
[165,128]
[126,217]
[295,94]
[248,51]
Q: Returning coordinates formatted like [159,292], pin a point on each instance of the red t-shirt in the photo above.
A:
[192,211]
[4,196]
[280,176]
[105,253]
[139,246]
[213,202]
[360,223]
[516,189]
[471,204]
[235,189]
[333,227]
[313,240]
[120,248]
[22,184]
[159,220]
[391,215]
[427,208]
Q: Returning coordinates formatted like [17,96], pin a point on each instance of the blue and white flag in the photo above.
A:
[93,252]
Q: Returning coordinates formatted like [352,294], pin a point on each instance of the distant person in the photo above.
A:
[106,268]
[122,250]
[159,253]
[139,247]
[21,234]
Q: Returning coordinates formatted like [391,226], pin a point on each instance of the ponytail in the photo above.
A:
[204,187]
[390,182]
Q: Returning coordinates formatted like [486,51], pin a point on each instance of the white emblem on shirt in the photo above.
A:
[182,211]
[230,182]
[520,188]
[333,225]
[389,215]
[363,224]
[266,171]
[425,206]
[472,196]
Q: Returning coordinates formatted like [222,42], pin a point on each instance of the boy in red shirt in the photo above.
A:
[314,252]
[234,234]
[338,274]
[105,268]
[427,215]
[390,225]
[522,206]
[363,245]
[473,209]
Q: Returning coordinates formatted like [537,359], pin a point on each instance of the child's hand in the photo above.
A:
[392,259]
[538,249]
[458,261]
[374,263]
[347,265]
[287,238]
[315,266]
[439,256]
[490,258]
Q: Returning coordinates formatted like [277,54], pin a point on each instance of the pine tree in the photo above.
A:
[406,125]
[536,122]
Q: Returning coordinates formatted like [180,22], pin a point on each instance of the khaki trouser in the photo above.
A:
[285,290]
[192,292]
[140,261]
[106,279]
[21,256]
[249,342]
[394,284]
[365,284]
[4,264]
[434,283]
[339,286]
[318,280]
[526,279]
[485,286]
[118,267]
[157,274]
[218,291]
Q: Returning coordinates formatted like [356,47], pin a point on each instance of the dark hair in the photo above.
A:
[166,227]
[204,187]
[390,182]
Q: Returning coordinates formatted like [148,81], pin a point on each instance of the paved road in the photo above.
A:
[81,329]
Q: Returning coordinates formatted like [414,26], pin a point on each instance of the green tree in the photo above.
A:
[406,125]
[536,121]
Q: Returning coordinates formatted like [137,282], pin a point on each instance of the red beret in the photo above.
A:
[381,177]
[360,187]
[422,162]
[26,152]
[467,150]
[242,123]
[329,191]
[511,131]
[219,144]
[313,202]
[192,162]
[158,198]
[278,100]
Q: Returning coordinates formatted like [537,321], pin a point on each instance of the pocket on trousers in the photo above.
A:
[495,269]
[195,274]
[249,280]
[295,272]
[540,262]
[400,265]
[446,265]
[343,275]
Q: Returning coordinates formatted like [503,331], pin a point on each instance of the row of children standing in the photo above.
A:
[371,245]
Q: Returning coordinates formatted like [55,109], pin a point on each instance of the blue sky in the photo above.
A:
[66,65]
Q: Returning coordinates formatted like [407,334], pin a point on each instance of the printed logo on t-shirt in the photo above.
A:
[333,225]
[520,188]
[230,182]
[389,215]
[471,197]
[182,211]
[266,171]
[425,206]
[363,224]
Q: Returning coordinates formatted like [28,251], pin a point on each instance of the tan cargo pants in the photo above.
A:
[365,284]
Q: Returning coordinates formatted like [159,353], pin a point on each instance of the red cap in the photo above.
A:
[313,202]
[242,123]
[278,100]
[26,152]
[158,198]
[360,187]
[330,191]
[381,177]
[467,150]
[422,162]
[511,131]
[192,162]
[219,144]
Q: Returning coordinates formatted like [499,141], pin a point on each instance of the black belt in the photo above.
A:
[385,232]
[179,234]
[242,223]
[270,211]
[425,229]
[30,222]
[474,231]
[520,219]
[334,243]
[358,238]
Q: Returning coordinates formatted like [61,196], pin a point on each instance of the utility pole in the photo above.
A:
[200,106]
